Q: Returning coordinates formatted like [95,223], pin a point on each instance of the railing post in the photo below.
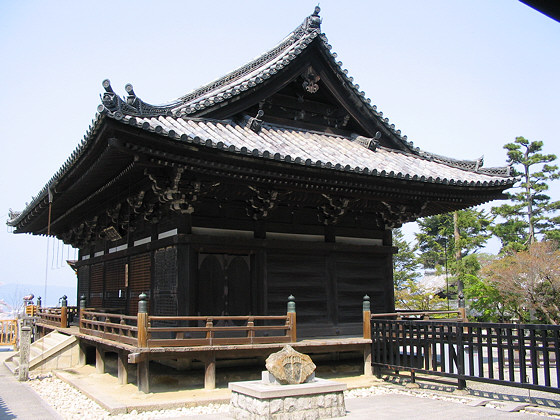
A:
[461,382]
[292,318]
[64,311]
[251,331]
[82,309]
[367,317]
[461,307]
[209,333]
[142,320]
[366,309]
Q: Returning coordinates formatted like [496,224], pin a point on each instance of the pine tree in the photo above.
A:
[531,214]
[442,240]
[405,263]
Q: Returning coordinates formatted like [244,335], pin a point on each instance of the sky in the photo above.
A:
[459,78]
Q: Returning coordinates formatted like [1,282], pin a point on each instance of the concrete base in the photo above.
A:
[319,399]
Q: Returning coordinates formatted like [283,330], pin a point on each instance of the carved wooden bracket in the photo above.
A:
[395,214]
[333,209]
[178,197]
[261,203]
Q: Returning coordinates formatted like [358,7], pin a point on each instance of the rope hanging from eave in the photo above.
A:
[48,236]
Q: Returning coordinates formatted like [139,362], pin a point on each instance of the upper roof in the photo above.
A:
[221,98]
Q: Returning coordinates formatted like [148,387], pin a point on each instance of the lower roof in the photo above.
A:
[354,155]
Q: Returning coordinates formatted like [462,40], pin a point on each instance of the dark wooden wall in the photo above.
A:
[194,275]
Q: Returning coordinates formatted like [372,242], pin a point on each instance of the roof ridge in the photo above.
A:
[311,24]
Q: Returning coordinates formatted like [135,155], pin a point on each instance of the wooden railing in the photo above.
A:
[525,356]
[184,331]
[58,316]
[217,330]
[113,327]
[50,316]
[458,315]
[8,332]
[143,330]
[31,310]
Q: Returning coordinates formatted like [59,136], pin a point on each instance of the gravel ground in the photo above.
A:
[72,404]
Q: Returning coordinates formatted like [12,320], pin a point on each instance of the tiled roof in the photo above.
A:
[361,155]
[294,146]
[318,149]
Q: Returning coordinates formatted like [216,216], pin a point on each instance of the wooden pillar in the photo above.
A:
[368,371]
[82,355]
[122,368]
[99,360]
[389,304]
[210,371]
[143,376]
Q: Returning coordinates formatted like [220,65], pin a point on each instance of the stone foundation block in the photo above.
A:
[255,400]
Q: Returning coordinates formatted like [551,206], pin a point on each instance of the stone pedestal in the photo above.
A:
[317,399]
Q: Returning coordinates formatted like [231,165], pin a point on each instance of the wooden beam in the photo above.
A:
[134,358]
[81,354]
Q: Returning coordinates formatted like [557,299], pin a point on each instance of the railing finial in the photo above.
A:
[143,303]
[82,302]
[291,303]
[366,304]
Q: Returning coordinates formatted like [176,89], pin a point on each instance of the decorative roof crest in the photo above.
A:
[314,21]
[111,102]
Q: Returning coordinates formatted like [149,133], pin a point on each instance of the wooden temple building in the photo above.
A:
[280,178]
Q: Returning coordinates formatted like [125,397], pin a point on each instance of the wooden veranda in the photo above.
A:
[141,338]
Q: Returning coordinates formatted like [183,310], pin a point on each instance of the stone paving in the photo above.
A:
[19,401]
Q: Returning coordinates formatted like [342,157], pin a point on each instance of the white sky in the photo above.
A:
[459,78]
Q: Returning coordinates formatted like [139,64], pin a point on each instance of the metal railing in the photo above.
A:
[524,356]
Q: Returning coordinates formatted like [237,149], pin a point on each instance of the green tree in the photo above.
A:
[409,292]
[405,262]
[485,302]
[441,240]
[531,215]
